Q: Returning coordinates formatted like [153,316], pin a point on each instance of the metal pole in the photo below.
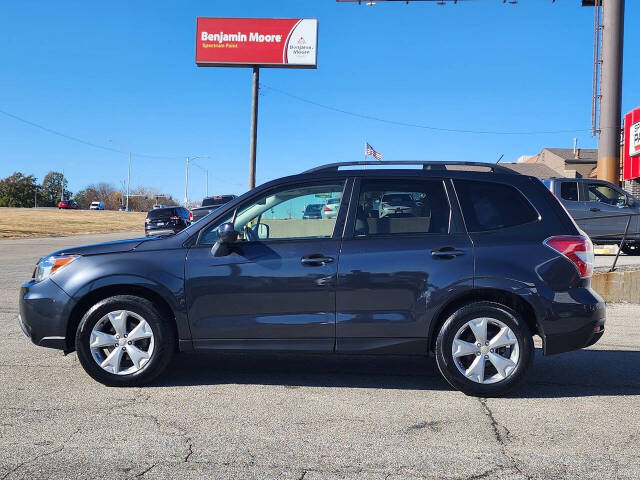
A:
[35,198]
[254,128]
[365,155]
[128,181]
[207,189]
[624,236]
[186,183]
[611,88]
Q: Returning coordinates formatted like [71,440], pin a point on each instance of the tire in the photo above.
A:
[515,359]
[144,350]
[631,248]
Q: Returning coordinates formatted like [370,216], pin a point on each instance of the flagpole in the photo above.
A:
[365,154]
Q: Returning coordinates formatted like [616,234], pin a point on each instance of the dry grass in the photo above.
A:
[29,222]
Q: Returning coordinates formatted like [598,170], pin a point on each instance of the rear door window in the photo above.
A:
[492,206]
[569,191]
[397,207]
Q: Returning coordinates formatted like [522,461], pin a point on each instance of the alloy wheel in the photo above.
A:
[122,342]
[485,350]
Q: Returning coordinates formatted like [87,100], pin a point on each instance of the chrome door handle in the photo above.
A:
[594,209]
[446,252]
[315,260]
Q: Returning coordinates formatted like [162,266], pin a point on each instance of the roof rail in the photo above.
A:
[426,165]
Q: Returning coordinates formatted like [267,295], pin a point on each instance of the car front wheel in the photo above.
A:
[484,349]
[124,341]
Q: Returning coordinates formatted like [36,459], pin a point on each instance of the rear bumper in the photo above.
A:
[44,311]
[577,322]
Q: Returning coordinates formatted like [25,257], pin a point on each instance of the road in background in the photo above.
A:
[312,417]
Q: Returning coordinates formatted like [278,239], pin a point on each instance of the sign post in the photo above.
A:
[256,43]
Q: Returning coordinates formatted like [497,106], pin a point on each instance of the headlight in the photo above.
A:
[47,266]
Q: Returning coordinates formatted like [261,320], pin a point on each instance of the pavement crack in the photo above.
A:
[189,450]
[31,460]
[434,426]
[145,471]
[501,435]
[304,474]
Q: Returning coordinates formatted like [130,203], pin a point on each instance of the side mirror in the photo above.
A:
[631,202]
[227,236]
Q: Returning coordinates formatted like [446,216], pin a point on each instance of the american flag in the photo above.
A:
[369,150]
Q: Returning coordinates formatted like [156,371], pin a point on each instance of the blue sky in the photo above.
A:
[125,71]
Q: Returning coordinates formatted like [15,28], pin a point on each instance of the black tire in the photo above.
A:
[446,362]
[632,248]
[163,337]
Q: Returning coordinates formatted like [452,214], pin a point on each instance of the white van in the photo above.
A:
[96,206]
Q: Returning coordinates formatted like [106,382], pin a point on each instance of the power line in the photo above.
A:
[417,125]
[79,140]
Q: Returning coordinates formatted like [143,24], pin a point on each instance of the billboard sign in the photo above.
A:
[631,165]
[257,42]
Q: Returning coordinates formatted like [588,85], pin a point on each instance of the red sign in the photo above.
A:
[631,166]
[263,42]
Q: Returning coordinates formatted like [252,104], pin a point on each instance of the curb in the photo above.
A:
[620,286]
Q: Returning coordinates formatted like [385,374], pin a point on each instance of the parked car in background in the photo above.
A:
[96,206]
[397,204]
[331,208]
[313,210]
[601,209]
[491,260]
[209,204]
[155,207]
[167,220]
[67,205]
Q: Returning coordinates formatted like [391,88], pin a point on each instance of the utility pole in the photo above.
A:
[254,128]
[611,91]
[186,176]
[128,182]
[62,187]
[207,189]
[186,183]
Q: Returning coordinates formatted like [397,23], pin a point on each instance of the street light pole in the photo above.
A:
[128,181]
[186,183]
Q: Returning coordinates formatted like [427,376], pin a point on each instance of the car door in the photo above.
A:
[606,208]
[275,289]
[396,268]
[568,192]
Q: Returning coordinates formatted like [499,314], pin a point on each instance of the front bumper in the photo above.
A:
[44,312]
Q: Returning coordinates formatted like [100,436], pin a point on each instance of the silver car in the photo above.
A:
[397,204]
[331,208]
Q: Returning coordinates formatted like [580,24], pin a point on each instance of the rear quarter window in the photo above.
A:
[492,206]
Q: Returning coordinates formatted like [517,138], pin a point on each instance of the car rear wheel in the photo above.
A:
[124,341]
[484,349]
[631,248]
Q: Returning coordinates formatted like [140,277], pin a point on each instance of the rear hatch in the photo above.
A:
[161,219]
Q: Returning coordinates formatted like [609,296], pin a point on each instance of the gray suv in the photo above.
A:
[601,209]
[480,263]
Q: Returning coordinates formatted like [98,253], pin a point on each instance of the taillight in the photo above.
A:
[577,248]
[327,208]
[190,215]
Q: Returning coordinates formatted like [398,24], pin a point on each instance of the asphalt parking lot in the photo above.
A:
[311,417]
